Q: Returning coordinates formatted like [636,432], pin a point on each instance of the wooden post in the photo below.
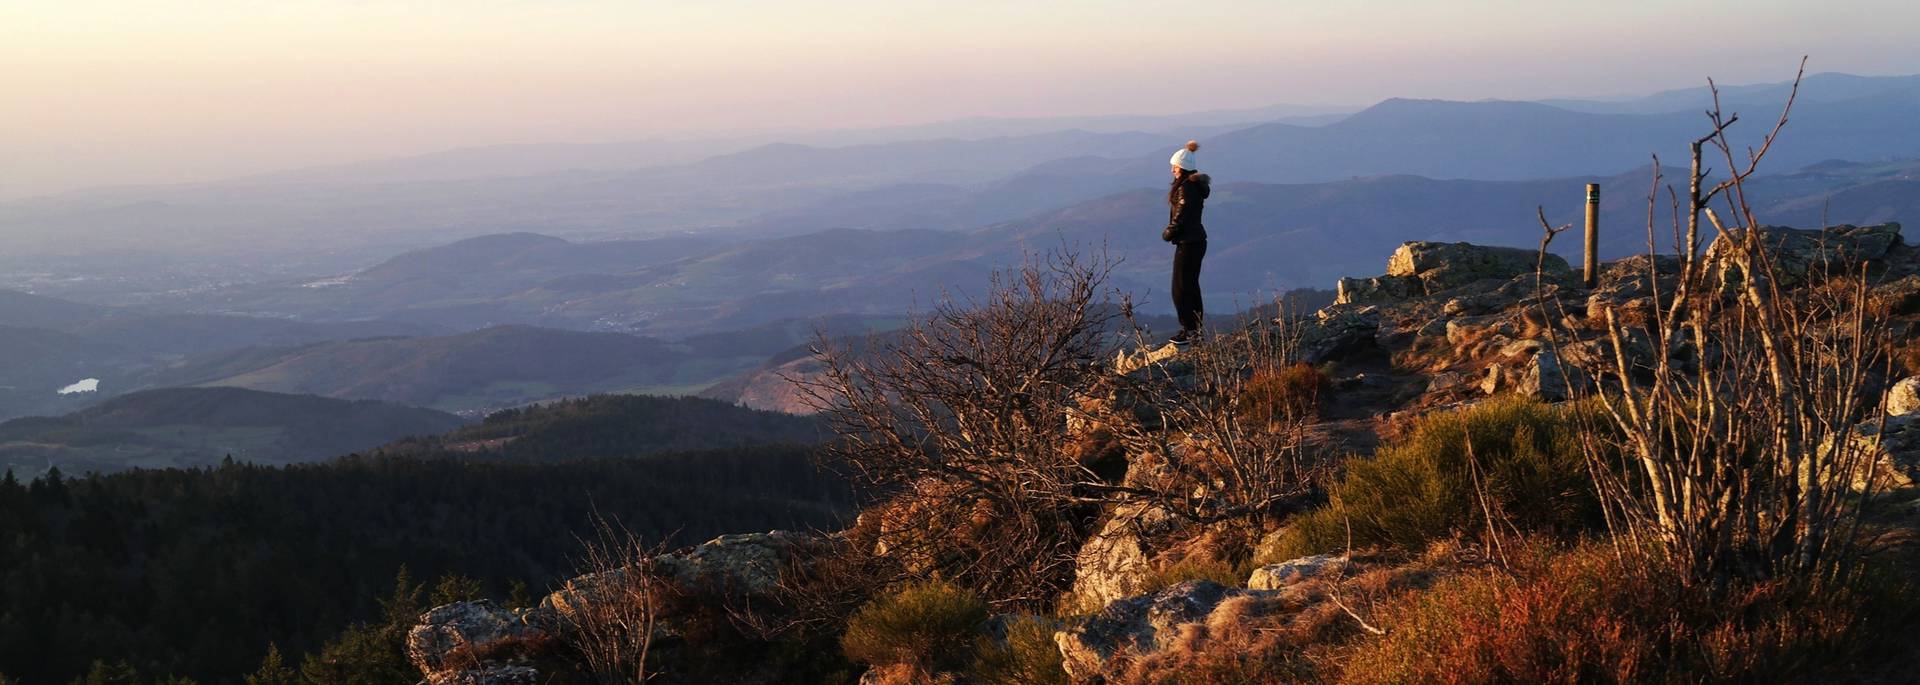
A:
[1593,235]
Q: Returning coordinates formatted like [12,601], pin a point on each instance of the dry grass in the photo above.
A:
[1296,637]
[1289,393]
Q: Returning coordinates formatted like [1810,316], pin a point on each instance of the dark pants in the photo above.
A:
[1186,283]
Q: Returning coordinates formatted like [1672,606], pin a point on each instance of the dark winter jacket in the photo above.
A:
[1186,199]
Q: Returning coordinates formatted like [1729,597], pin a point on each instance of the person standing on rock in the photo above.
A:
[1186,199]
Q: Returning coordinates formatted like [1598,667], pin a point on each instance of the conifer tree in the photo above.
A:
[273,670]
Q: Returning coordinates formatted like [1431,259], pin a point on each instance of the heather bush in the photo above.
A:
[1512,459]
[1589,615]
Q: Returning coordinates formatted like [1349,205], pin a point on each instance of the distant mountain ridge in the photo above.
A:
[476,371]
[776,189]
[608,426]
[187,427]
[1266,238]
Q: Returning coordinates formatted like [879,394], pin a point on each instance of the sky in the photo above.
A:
[96,93]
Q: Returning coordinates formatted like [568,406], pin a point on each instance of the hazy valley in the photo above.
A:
[248,403]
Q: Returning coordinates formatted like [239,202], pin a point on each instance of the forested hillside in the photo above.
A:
[193,572]
[613,425]
[188,427]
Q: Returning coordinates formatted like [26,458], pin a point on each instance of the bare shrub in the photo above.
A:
[995,432]
[1231,442]
[961,421]
[613,609]
[1736,413]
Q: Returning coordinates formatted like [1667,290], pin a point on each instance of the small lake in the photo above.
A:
[83,385]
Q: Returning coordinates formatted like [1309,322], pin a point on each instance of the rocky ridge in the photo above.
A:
[1447,324]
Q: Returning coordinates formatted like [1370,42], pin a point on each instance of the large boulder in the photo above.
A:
[1800,253]
[1339,331]
[1112,563]
[1160,625]
[1376,289]
[748,563]
[1440,267]
[1547,379]
[1137,626]
[454,643]
[480,643]
[498,674]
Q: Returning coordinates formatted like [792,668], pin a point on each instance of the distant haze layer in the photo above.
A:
[99,93]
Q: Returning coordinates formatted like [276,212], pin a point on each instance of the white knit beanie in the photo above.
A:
[1182,158]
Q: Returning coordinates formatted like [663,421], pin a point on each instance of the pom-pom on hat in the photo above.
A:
[1183,157]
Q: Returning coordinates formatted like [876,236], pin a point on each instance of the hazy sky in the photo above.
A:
[95,92]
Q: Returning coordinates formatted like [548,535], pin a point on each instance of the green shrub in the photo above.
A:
[1422,487]
[1027,656]
[930,625]
[1585,616]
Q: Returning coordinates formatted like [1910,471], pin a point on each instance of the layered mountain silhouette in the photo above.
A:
[186,427]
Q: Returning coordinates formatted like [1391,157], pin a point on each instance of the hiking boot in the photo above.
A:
[1185,337]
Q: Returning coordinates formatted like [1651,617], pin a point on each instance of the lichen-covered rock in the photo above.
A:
[1135,624]
[747,563]
[1899,444]
[1142,626]
[1111,564]
[1902,295]
[498,674]
[1338,332]
[1799,253]
[1376,289]
[1289,573]
[1546,379]
[453,639]
[480,643]
[1444,266]
[1904,397]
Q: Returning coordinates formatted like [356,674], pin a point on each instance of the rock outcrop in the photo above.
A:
[1139,625]
[1904,397]
[1798,253]
[1113,562]
[1291,573]
[453,643]
[481,643]
[1425,268]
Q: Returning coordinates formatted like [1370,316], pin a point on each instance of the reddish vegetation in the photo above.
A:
[1292,392]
